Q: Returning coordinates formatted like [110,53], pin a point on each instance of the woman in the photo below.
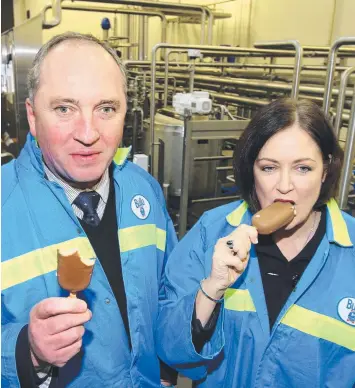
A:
[246,310]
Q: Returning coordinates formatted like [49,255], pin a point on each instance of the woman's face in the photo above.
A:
[290,167]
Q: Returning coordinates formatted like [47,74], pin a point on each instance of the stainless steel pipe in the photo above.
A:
[209,49]
[298,60]
[57,15]
[341,98]
[349,155]
[141,39]
[331,69]
[205,11]
[127,11]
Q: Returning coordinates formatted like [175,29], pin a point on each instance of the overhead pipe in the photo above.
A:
[326,49]
[240,65]
[257,84]
[57,12]
[298,60]
[331,69]
[205,11]
[57,15]
[258,102]
[341,98]
[127,11]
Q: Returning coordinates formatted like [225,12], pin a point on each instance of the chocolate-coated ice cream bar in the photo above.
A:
[74,273]
[274,217]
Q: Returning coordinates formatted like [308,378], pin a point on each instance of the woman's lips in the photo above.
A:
[284,200]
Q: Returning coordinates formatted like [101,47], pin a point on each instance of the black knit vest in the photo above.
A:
[104,240]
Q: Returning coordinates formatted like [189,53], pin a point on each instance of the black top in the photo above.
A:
[279,277]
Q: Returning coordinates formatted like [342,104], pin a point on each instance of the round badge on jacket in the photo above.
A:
[140,207]
[346,310]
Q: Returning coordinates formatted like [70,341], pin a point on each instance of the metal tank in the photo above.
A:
[169,132]
[19,47]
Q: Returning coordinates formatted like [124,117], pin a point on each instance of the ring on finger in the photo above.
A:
[230,244]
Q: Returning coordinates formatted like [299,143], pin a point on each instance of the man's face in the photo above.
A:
[78,112]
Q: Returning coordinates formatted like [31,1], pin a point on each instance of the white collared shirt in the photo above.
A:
[102,188]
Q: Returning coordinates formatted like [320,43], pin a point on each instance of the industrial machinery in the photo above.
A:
[188,104]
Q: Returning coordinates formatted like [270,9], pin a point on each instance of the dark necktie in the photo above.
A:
[88,201]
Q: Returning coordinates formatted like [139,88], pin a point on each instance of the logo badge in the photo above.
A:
[140,207]
[346,310]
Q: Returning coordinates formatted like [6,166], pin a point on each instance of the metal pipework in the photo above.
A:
[166,71]
[158,5]
[145,36]
[209,28]
[191,76]
[237,65]
[129,35]
[57,15]
[209,49]
[141,39]
[134,129]
[331,69]
[298,60]
[341,98]
[167,53]
[325,49]
[186,156]
[256,84]
[349,155]
[127,11]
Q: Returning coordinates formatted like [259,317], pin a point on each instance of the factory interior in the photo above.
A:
[198,70]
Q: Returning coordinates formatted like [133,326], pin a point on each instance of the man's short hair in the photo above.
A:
[273,118]
[33,78]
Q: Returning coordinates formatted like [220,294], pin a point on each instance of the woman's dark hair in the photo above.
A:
[273,118]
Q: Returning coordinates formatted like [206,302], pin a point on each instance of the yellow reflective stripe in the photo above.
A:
[340,229]
[141,236]
[121,155]
[41,261]
[161,239]
[320,326]
[235,218]
[238,300]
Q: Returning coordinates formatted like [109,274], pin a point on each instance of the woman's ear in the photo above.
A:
[326,167]
[324,175]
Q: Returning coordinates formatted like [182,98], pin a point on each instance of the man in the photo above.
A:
[70,189]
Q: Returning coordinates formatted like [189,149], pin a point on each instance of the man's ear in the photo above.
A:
[31,118]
